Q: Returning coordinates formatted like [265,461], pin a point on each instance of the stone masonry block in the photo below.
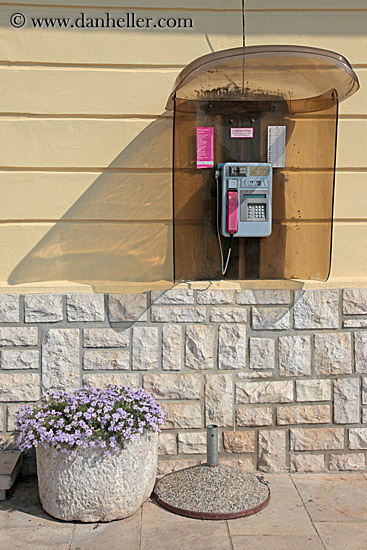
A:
[167,443]
[9,308]
[106,360]
[364,391]
[294,355]
[173,386]
[172,347]
[360,351]
[110,377]
[43,308]
[259,416]
[192,443]
[347,401]
[271,318]
[12,416]
[232,347]
[145,348]
[263,297]
[8,442]
[333,353]
[354,322]
[345,462]
[178,314]
[241,462]
[168,466]
[228,314]
[239,442]
[358,438]
[316,439]
[127,307]
[217,296]
[316,309]
[355,301]
[272,451]
[305,462]
[106,337]
[304,414]
[60,360]
[313,390]
[18,336]
[10,465]
[19,359]
[172,296]
[20,386]
[85,307]
[199,347]
[264,392]
[219,400]
[2,427]
[182,415]
[262,353]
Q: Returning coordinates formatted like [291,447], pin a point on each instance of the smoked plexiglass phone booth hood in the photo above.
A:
[254,143]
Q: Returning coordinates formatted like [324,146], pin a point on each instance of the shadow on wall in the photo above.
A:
[120,229]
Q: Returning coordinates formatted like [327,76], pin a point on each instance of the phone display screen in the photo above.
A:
[254,196]
[259,170]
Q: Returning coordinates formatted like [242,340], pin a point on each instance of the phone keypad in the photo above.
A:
[256,212]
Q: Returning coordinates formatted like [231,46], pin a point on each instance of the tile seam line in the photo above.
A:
[308,513]
[72,536]
[229,536]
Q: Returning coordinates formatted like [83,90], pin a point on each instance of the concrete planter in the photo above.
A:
[93,487]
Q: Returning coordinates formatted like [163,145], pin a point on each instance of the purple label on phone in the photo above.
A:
[205,147]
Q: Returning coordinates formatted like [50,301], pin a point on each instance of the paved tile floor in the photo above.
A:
[306,512]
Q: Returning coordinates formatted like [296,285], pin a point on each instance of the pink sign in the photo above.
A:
[242,132]
[204,147]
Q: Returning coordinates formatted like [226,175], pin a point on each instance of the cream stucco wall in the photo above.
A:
[85,157]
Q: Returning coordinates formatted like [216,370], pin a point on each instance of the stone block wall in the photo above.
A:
[282,373]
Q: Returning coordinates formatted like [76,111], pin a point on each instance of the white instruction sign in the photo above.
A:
[276,146]
[242,132]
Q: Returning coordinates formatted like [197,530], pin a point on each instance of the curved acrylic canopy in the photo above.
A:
[263,73]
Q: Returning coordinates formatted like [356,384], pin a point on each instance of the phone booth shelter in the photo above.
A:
[239,96]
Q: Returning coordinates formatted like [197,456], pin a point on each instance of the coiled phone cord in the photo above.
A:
[224,267]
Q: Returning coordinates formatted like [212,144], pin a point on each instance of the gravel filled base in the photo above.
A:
[207,492]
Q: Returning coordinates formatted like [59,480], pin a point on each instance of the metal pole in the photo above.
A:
[212,445]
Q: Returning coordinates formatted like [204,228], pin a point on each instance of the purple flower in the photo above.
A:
[89,417]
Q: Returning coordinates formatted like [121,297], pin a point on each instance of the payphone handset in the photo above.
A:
[246,193]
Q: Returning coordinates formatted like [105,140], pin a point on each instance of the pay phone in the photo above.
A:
[246,199]
[244,192]
[253,109]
